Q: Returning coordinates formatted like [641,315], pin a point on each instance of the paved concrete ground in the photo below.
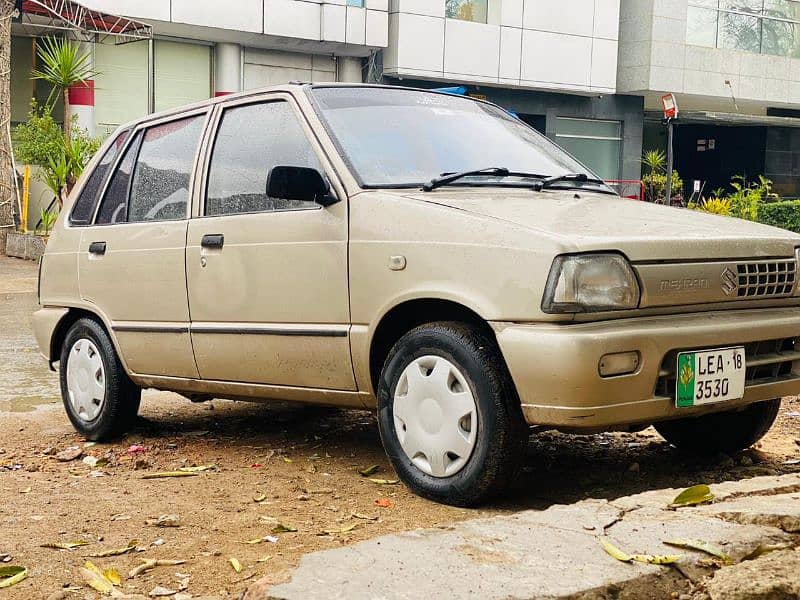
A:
[556,553]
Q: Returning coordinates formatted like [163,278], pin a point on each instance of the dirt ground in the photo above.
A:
[273,463]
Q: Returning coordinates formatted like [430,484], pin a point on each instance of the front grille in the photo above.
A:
[766,361]
[766,278]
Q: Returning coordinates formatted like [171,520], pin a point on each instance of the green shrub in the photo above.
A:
[785,214]
[39,138]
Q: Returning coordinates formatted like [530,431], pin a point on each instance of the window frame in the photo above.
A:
[485,22]
[201,185]
[92,167]
[134,135]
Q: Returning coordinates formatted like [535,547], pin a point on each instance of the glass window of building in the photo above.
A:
[468,10]
[595,143]
[758,26]
[358,3]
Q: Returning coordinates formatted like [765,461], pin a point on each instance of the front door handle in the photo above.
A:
[213,240]
[97,248]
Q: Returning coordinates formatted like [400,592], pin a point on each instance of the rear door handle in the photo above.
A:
[213,240]
[97,248]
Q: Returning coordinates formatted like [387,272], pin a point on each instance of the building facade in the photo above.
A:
[735,68]
[552,62]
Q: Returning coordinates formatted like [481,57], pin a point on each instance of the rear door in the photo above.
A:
[267,276]
[132,259]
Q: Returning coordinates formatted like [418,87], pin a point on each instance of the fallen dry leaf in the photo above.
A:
[12,575]
[697,494]
[702,546]
[237,566]
[166,474]
[117,551]
[385,481]
[369,471]
[65,545]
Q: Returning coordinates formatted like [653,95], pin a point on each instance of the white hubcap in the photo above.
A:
[86,380]
[435,416]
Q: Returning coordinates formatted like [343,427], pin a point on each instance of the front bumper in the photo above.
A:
[555,367]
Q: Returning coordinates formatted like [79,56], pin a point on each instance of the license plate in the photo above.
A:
[710,376]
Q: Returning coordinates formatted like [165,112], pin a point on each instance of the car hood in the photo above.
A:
[582,221]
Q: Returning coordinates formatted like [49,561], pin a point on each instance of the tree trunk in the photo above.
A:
[7,193]
[67,119]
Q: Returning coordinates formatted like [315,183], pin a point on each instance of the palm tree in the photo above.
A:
[6,171]
[63,64]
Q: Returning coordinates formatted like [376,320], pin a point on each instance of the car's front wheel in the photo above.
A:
[448,414]
[100,399]
[728,431]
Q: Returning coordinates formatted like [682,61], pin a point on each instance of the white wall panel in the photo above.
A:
[333,22]
[575,17]
[377,33]
[433,8]
[356,25]
[606,19]
[604,64]
[511,13]
[510,53]
[420,42]
[290,18]
[472,48]
[247,16]
[557,59]
[377,5]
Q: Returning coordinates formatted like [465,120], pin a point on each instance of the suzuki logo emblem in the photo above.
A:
[730,281]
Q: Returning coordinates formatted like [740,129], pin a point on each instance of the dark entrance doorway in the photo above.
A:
[714,154]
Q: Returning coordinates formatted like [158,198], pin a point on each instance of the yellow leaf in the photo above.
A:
[385,481]
[96,579]
[369,471]
[113,576]
[65,545]
[169,474]
[12,575]
[284,528]
[342,530]
[237,566]
[265,558]
[702,546]
[118,551]
[200,469]
[697,494]
[287,460]
[654,559]
[614,551]
[260,498]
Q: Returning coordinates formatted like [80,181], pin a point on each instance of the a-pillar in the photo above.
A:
[81,97]
[227,68]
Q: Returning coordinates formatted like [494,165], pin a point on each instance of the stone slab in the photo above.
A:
[550,554]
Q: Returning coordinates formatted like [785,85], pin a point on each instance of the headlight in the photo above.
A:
[590,283]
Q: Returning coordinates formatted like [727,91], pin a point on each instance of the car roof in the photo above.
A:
[290,87]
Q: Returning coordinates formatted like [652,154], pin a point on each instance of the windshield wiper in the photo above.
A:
[567,177]
[446,179]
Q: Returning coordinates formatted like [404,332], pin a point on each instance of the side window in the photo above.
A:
[115,201]
[162,179]
[87,200]
[250,141]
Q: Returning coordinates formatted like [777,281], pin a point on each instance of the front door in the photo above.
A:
[132,259]
[267,277]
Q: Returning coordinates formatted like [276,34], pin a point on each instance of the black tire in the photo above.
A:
[727,432]
[501,429]
[120,406]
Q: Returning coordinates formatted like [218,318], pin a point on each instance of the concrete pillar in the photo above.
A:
[227,68]
[81,98]
[349,69]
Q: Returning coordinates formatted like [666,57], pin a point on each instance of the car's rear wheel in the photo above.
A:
[448,414]
[728,431]
[100,399]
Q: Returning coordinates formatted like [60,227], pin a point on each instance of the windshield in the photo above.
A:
[401,137]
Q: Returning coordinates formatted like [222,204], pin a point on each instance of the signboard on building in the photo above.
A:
[670,106]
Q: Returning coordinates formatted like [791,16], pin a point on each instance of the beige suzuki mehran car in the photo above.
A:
[424,254]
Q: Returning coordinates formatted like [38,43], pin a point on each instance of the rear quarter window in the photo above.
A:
[86,202]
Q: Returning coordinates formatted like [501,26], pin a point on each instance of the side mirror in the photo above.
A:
[299,183]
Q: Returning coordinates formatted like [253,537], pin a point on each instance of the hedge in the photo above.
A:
[784,214]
